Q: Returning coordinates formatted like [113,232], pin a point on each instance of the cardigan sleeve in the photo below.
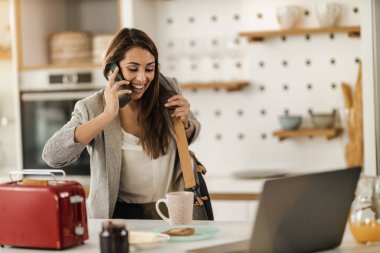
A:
[61,149]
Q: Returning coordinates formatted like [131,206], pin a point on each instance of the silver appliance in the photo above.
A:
[47,101]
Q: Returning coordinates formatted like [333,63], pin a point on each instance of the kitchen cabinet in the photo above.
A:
[37,20]
[352,31]
[234,207]
[234,199]
[43,84]
[234,210]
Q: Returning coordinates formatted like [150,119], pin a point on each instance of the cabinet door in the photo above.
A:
[230,210]
[252,209]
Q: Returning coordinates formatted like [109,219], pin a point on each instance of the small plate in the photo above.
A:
[143,240]
[202,232]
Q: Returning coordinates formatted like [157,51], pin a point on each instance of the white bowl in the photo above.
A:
[143,240]
[323,120]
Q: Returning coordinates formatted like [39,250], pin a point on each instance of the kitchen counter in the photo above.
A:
[230,232]
[218,186]
[227,234]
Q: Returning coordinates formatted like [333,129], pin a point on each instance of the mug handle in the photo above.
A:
[159,211]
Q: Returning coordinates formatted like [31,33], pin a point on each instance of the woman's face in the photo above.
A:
[138,67]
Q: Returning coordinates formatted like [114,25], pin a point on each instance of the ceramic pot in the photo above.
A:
[288,16]
[328,14]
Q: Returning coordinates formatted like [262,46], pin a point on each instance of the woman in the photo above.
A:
[133,153]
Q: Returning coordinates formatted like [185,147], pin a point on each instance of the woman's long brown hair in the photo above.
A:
[155,131]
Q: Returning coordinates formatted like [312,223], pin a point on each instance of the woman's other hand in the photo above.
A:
[182,108]
[112,93]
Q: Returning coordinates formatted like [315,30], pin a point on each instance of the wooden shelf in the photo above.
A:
[352,31]
[62,66]
[309,132]
[228,86]
[5,55]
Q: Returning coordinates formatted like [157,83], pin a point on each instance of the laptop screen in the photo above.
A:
[304,213]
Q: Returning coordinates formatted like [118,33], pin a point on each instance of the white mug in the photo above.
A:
[288,16]
[328,14]
[180,207]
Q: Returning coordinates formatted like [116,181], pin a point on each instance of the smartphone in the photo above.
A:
[125,98]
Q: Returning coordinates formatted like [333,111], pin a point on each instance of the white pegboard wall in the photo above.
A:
[198,42]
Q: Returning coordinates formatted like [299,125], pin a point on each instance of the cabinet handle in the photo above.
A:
[55,96]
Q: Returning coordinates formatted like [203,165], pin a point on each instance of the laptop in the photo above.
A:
[304,213]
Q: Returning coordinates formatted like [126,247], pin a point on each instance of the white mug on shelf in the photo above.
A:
[180,207]
[328,14]
[288,16]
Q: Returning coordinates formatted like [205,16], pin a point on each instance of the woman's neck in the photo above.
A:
[132,106]
[129,119]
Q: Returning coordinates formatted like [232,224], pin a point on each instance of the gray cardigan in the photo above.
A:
[105,152]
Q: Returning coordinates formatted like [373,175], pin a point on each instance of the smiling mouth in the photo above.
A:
[136,87]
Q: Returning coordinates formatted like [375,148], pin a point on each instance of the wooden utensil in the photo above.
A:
[358,115]
[354,149]
[347,96]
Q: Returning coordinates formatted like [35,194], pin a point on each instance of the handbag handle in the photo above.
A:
[184,154]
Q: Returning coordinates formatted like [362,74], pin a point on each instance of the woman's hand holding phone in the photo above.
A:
[112,93]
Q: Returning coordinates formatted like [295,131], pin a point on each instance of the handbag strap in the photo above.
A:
[184,154]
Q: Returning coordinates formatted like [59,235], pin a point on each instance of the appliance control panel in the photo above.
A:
[62,79]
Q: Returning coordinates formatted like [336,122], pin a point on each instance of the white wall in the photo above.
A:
[237,127]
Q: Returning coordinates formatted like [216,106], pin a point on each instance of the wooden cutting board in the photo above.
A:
[354,149]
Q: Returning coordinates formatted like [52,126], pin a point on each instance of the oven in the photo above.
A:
[44,110]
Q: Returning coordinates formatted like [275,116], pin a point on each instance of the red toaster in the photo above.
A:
[42,214]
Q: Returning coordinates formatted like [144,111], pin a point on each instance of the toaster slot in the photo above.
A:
[77,201]
[65,208]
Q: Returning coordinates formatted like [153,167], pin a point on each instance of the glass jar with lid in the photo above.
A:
[113,238]
[365,211]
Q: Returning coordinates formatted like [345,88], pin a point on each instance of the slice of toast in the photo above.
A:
[180,231]
[34,182]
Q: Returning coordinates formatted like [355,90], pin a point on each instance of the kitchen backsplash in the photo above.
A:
[199,42]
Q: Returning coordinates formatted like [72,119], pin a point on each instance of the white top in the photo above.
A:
[144,180]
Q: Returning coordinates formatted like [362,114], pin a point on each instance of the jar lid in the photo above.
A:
[113,226]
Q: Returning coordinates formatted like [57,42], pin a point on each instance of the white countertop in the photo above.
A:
[229,232]
[215,184]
